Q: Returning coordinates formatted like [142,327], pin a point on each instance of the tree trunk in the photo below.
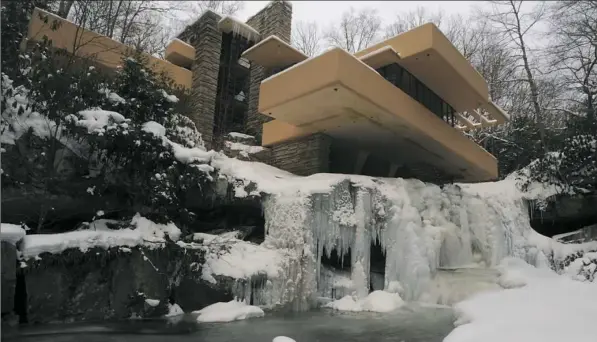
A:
[531,80]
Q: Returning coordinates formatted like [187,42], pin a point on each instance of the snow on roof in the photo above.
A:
[238,27]
[288,69]
[379,51]
[310,58]
[272,37]
[182,42]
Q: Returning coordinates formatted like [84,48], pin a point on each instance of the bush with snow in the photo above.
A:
[69,129]
[573,167]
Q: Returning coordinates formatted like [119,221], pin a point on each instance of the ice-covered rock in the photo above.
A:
[376,301]
[227,312]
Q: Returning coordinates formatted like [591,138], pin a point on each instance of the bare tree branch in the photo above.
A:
[306,37]
[356,30]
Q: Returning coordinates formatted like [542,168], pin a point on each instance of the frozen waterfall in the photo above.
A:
[330,225]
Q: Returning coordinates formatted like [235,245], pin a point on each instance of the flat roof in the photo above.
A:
[273,52]
[427,54]
[180,53]
[231,24]
[381,57]
[339,95]
[99,48]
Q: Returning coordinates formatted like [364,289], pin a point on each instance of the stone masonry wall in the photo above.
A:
[205,37]
[274,19]
[304,156]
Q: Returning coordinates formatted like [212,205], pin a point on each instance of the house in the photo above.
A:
[396,109]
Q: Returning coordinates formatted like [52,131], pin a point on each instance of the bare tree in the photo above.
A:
[573,52]
[356,30]
[185,13]
[306,37]
[514,25]
[218,6]
[140,24]
[406,21]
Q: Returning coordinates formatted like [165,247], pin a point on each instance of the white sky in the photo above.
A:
[327,12]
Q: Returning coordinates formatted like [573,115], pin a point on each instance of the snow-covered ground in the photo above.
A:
[541,306]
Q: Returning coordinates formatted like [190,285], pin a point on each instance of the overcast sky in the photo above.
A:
[327,12]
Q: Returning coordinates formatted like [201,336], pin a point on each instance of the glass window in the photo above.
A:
[409,84]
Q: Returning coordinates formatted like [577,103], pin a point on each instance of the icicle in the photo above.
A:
[420,227]
[242,29]
[361,250]
[286,220]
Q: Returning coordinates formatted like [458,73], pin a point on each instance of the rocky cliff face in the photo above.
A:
[9,276]
[117,283]
[564,213]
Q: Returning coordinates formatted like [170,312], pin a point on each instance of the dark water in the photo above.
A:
[414,324]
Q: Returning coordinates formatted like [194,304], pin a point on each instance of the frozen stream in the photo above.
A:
[409,324]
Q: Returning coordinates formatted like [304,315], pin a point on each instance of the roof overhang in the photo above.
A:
[95,47]
[339,95]
[180,53]
[381,57]
[273,52]
[229,24]
[427,54]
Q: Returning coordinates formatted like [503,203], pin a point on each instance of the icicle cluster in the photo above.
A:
[421,228]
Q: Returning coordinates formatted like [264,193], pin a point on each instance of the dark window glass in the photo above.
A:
[409,84]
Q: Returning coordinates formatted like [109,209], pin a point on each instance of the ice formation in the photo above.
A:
[228,312]
[440,244]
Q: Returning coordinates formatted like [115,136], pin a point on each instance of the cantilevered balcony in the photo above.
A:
[402,99]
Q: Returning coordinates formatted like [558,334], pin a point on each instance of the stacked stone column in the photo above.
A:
[274,19]
[205,37]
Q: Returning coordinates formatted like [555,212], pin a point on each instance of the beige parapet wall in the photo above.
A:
[341,95]
[338,94]
[106,51]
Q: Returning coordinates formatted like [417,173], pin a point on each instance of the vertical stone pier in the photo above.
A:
[274,19]
[205,37]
